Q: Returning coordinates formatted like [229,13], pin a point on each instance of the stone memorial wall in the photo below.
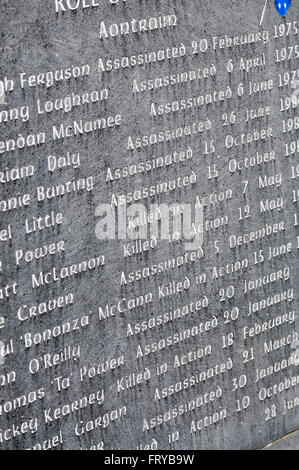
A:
[149,225]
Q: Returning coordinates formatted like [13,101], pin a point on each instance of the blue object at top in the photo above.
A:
[282,6]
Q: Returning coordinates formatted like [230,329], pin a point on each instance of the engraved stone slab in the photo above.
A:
[117,118]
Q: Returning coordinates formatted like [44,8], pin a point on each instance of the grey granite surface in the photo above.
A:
[247,355]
